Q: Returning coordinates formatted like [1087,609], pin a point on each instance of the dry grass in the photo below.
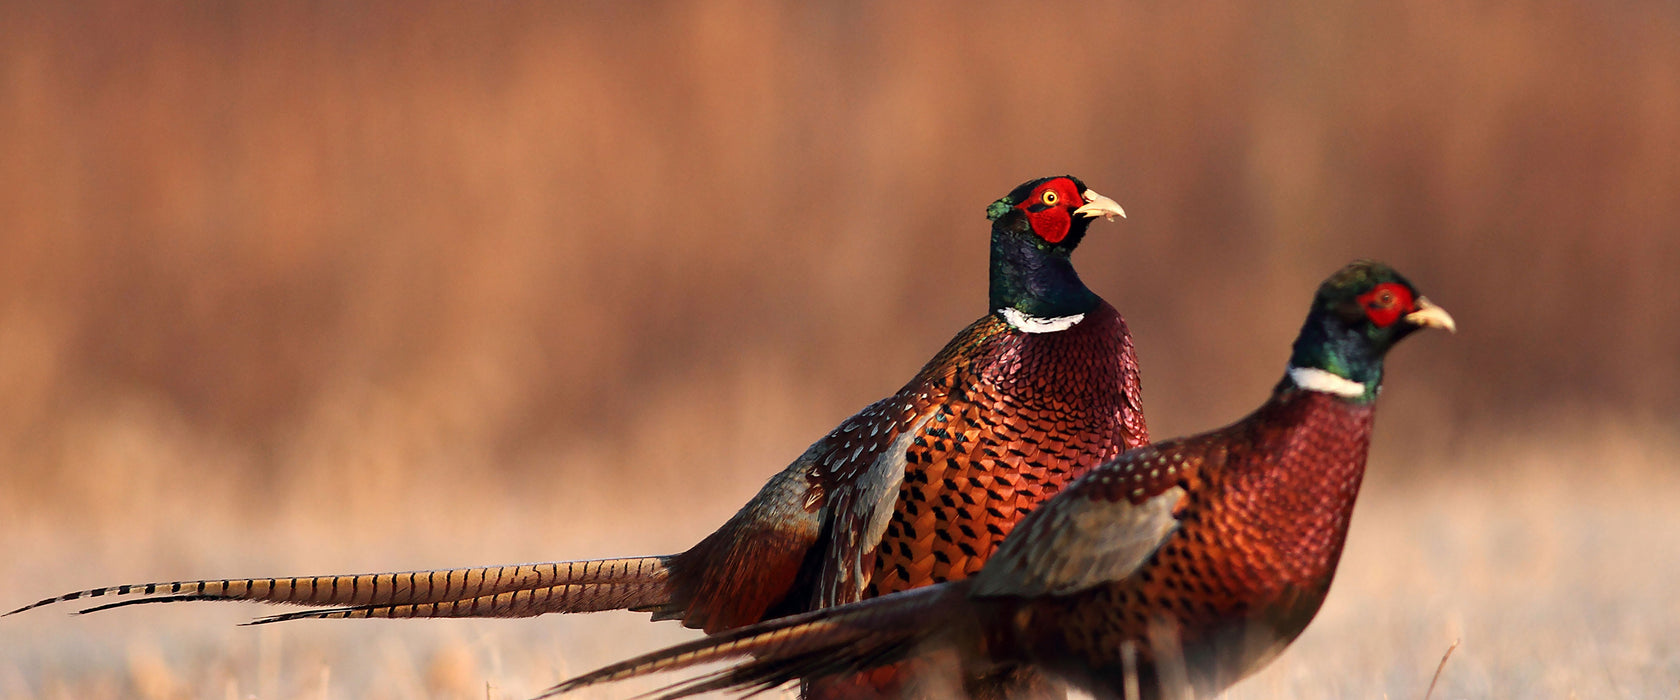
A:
[290,288]
[1554,570]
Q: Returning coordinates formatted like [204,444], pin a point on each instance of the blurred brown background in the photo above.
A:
[377,285]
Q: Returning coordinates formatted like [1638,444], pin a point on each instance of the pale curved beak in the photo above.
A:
[1098,205]
[1429,315]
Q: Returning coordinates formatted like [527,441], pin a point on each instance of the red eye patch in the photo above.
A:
[1386,303]
[1049,208]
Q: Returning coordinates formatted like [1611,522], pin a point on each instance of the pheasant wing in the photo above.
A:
[1100,529]
[863,468]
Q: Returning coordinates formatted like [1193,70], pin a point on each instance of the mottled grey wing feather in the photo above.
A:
[867,481]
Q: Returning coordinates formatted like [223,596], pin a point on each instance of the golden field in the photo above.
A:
[293,289]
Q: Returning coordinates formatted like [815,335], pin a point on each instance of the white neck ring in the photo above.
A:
[1021,321]
[1314,379]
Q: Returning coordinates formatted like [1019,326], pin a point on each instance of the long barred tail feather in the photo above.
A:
[639,595]
[831,641]
[492,591]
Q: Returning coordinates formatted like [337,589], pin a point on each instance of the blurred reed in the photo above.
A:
[267,235]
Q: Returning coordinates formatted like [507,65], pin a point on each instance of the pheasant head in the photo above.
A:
[1034,231]
[1358,314]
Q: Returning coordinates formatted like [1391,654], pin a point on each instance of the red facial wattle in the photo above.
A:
[1052,221]
[1386,303]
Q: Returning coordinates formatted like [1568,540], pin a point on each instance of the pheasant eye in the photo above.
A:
[1050,198]
[1383,304]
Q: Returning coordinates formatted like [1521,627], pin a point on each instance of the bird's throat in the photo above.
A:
[1036,282]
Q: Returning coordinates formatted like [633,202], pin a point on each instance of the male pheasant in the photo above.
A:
[1176,569]
[915,489]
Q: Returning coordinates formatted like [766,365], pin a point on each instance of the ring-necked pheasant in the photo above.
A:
[915,489]
[1176,569]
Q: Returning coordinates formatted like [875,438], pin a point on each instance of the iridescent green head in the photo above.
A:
[1357,316]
